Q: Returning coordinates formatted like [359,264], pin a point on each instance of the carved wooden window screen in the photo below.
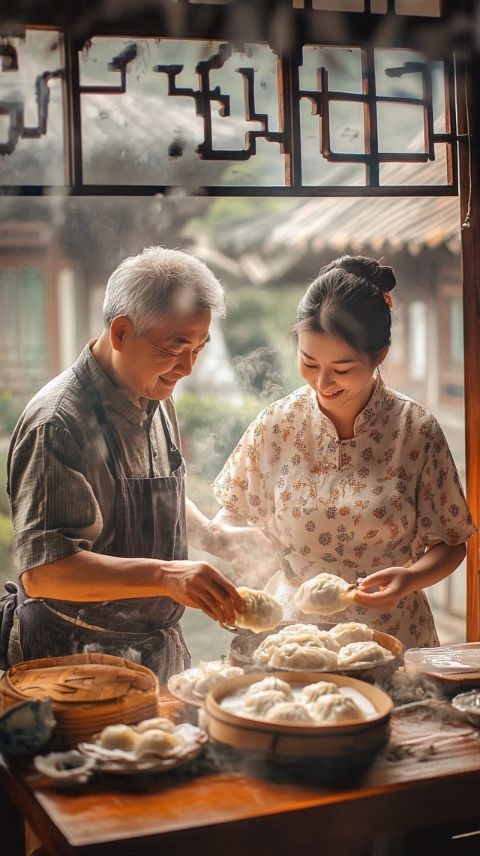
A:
[144,116]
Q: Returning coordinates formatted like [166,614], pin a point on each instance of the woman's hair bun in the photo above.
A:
[382,276]
[386,278]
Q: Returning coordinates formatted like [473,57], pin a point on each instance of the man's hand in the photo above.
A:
[199,585]
[392,585]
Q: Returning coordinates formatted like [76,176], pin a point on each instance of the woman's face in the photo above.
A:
[341,377]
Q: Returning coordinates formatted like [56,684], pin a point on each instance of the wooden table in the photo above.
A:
[238,811]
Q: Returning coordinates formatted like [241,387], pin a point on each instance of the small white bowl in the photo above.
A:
[64,769]
[469,705]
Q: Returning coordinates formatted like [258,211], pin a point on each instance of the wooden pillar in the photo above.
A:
[468,98]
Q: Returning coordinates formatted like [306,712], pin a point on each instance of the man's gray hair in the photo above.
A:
[159,280]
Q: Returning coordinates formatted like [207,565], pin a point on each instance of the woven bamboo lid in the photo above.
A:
[88,692]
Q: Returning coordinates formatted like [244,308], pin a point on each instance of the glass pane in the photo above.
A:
[31,126]
[346,118]
[147,136]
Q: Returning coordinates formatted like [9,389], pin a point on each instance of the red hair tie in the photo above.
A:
[387,298]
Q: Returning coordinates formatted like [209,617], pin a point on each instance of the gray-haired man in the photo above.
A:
[96,480]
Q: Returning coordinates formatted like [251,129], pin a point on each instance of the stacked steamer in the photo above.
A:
[88,692]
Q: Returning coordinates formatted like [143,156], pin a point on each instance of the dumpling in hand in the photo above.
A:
[335,708]
[313,692]
[259,703]
[351,631]
[289,711]
[324,594]
[263,612]
[270,683]
[356,653]
[296,656]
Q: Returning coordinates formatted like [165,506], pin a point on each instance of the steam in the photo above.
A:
[257,372]
[127,652]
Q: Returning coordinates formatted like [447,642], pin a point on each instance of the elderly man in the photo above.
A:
[96,481]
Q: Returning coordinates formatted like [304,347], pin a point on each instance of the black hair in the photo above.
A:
[347,299]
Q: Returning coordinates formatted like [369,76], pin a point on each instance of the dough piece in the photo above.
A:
[324,594]
[259,703]
[263,612]
[335,708]
[356,653]
[119,737]
[270,683]
[157,742]
[351,631]
[312,692]
[297,656]
[289,711]
[151,724]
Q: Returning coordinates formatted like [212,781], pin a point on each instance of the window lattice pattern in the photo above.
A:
[219,118]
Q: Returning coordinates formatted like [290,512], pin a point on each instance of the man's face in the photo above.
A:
[150,365]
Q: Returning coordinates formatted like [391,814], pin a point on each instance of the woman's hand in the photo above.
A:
[391,584]
[200,585]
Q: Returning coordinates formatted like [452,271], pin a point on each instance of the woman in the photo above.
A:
[351,477]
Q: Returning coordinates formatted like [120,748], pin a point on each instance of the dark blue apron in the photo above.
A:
[149,522]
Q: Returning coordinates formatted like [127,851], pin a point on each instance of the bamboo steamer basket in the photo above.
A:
[87,691]
[297,741]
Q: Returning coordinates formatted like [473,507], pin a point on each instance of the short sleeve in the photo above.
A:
[244,487]
[54,510]
[442,511]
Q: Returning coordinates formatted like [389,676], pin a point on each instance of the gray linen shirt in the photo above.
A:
[60,486]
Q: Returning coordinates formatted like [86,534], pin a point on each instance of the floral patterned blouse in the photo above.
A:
[349,507]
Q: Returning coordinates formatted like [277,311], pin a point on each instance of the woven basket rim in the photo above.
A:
[10,688]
